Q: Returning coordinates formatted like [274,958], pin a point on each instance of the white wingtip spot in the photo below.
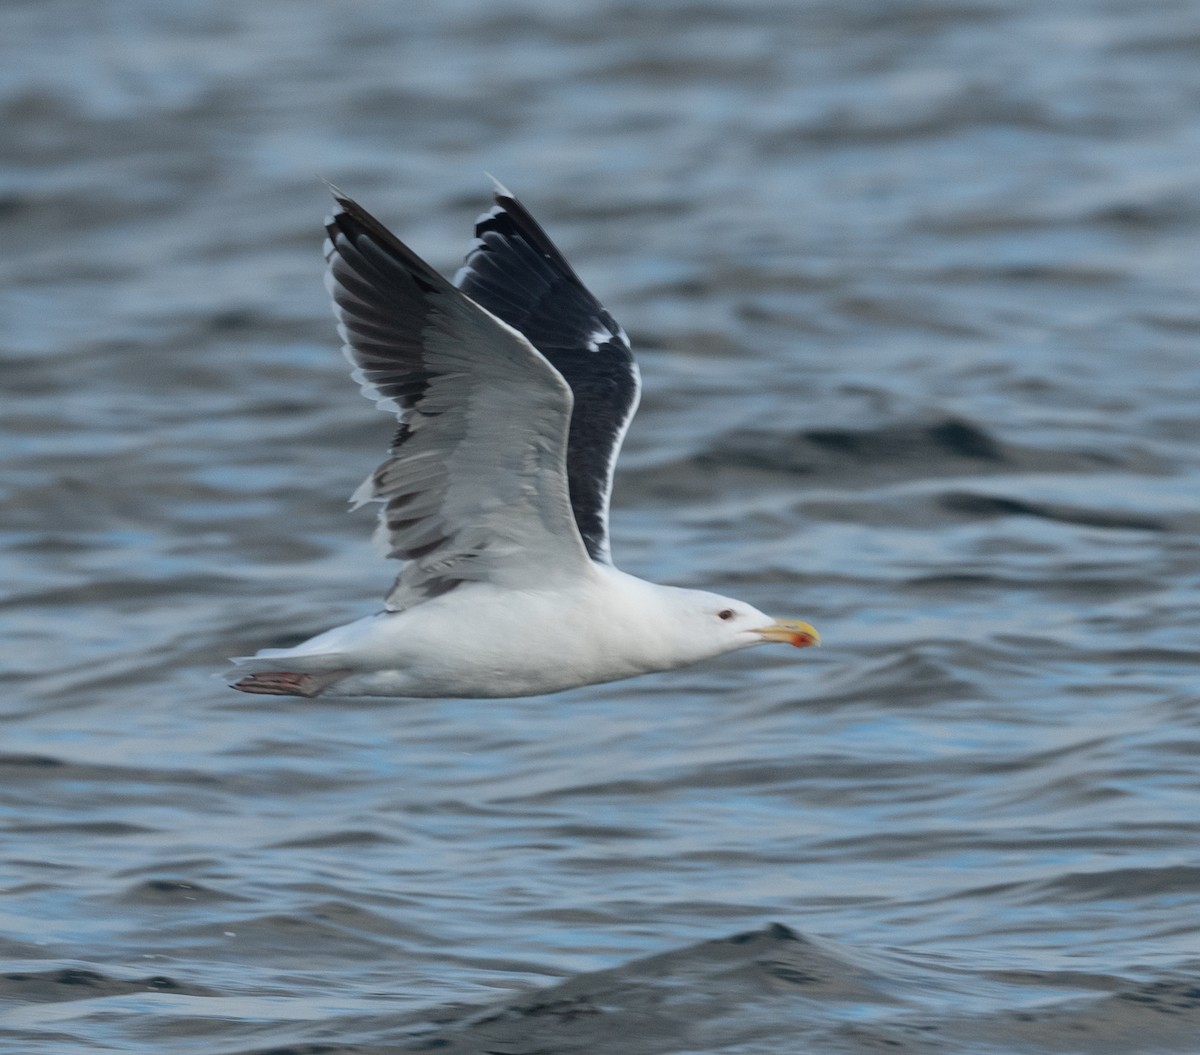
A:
[499,188]
[483,217]
[598,339]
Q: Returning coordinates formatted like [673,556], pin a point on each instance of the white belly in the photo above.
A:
[484,640]
[477,642]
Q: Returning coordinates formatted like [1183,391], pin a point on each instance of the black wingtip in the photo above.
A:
[339,196]
[350,221]
[500,193]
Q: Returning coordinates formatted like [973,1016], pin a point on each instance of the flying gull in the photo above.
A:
[514,388]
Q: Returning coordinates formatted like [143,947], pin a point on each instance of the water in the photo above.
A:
[913,287]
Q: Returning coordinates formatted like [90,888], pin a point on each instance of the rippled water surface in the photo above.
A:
[914,287]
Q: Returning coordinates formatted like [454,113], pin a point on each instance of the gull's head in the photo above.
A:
[665,627]
[716,624]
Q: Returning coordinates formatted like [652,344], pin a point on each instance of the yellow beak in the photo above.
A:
[790,632]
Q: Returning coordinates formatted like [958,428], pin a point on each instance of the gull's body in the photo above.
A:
[514,388]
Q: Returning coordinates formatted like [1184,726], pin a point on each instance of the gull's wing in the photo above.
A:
[475,488]
[517,273]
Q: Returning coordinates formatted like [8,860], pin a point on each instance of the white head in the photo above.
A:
[692,625]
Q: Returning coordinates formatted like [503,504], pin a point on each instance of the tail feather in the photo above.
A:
[289,683]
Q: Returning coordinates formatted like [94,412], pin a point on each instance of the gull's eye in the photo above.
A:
[725,613]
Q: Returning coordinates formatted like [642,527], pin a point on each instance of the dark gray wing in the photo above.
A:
[517,273]
[475,488]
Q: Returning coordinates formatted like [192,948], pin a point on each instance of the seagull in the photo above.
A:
[513,387]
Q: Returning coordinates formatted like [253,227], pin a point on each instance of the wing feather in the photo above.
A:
[466,495]
[519,275]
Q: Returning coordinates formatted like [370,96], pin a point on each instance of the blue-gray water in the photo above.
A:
[915,288]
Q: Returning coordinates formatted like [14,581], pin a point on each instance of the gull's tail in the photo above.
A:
[285,672]
[288,682]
